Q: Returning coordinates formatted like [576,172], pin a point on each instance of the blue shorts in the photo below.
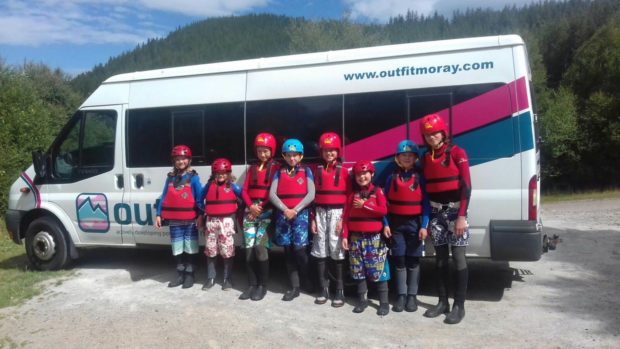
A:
[293,232]
[405,238]
[184,239]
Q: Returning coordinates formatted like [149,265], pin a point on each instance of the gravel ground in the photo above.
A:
[119,298]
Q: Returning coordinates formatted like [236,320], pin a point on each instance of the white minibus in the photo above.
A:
[98,182]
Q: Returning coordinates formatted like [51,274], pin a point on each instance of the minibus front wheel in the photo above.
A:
[46,244]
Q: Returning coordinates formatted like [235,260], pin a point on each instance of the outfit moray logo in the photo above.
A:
[92,212]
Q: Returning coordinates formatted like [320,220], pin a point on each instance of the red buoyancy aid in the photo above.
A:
[220,200]
[291,190]
[404,197]
[363,221]
[260,181]
[179,203]
[331,187]
[441,174]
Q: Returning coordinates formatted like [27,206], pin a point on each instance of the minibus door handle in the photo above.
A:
[120,181]
[139,178]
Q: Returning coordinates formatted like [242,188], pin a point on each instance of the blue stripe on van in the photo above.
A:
[482,145]
[491,142]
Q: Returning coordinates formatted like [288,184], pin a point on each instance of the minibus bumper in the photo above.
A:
[515,240]
[13,219]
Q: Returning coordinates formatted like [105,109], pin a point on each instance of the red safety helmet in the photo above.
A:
[433,123]
[265,140]
[363,166]
[221,165]
[330,140]
[181,150]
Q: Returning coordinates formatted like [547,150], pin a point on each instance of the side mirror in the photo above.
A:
[39,160]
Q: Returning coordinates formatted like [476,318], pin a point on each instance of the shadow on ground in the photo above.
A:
[488,279]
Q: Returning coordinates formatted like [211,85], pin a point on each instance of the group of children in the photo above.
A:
[339,211]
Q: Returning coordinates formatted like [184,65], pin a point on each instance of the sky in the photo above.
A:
[76,35]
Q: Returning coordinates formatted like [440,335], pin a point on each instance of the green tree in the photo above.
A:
[35,102]
[559,129]
[307,36]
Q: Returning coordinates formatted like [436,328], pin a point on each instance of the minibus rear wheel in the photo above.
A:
[46,244]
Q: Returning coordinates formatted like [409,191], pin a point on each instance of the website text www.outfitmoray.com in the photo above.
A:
[410,71]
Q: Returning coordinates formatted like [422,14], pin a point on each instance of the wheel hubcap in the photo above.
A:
[44,246]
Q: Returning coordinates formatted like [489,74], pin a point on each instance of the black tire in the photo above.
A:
[46,244]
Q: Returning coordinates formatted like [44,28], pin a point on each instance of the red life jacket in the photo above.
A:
[291,190]
[179,203]
[328,191]
[404,198]
[361,220]
[441,174]
[220,200]
[260,181]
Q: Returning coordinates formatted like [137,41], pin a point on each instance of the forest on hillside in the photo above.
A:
[574,51]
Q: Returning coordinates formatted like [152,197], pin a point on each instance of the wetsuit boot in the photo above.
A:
[250,263]
[180,268]
[227,282]
[362,303]
[401,282]
[210,274]
[263,272]
[384,306]
[189,272]
[338,300]
[413,277]
[293,275]
[323,295]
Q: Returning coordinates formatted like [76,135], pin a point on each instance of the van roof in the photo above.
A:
[322,57]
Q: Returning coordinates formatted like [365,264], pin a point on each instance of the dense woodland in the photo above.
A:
[574,49]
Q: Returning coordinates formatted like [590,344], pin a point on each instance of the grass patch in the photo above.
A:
[18,282]
[592,195]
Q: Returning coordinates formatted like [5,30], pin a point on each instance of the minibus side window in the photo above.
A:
[302,118]
[66,154]
[87,147]
[211,131]
[367,114]
[223,130]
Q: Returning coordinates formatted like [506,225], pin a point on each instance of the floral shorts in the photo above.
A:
[219,237]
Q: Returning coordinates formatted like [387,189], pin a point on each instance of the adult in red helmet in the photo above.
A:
[446,170]
[181,207]
[332,187]
[361,234]
[220,196]
[258,215]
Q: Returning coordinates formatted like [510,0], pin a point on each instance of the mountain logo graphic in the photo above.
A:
[92,212]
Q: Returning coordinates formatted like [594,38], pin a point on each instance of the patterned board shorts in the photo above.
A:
[255,232]
[368,257]
[219,237]
[326,241]
[184,239]
[442,227]
[294,232]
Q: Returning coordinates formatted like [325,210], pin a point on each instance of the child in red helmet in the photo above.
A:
[362,225]
[220,196]
[180,206]
[332,186]
[258,216]
[446,170]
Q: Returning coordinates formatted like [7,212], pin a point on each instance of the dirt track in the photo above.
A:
[118,298]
